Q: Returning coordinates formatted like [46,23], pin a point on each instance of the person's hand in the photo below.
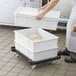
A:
[39,16]
[43,7]
[74,28]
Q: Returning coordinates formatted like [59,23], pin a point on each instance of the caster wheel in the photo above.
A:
[52,62]
[17,55]
[13,49]
[33,66]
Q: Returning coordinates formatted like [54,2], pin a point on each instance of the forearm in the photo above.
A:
[45,6]
[50,6]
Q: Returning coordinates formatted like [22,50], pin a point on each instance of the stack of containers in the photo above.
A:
[43,49]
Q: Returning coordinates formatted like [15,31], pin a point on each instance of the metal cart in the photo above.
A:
[34,63]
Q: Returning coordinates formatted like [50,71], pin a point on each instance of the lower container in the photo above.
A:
[36,56]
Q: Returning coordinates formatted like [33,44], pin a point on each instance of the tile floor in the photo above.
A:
[10,65]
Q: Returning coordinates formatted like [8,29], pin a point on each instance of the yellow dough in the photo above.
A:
[34,37]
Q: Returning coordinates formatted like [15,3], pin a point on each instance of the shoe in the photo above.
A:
[64,52]
[70,60]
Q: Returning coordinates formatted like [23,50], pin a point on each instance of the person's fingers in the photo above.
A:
[37,17]
[40,15]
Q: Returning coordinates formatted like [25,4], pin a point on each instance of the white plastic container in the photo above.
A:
[43,55]
[48,40]
[26,17]
[36,56]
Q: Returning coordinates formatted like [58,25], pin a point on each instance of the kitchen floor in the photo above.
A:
[10,65]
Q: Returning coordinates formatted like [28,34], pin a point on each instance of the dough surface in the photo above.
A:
[34,37]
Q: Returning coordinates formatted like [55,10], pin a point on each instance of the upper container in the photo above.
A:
[26,17]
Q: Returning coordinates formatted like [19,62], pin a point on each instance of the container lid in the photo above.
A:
[27,12]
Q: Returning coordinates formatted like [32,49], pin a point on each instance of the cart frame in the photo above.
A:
[34,62]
